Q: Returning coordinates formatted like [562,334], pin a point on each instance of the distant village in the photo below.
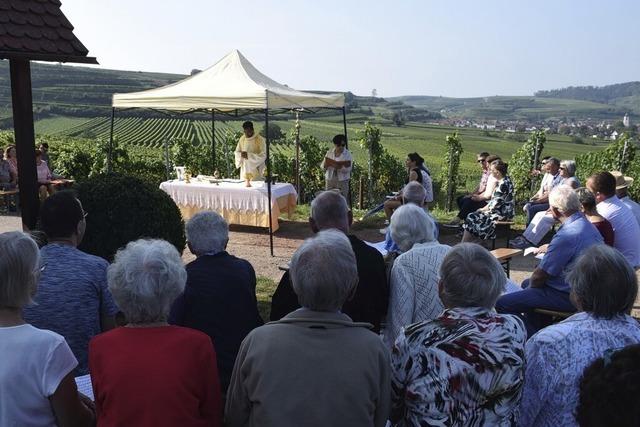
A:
[581,128]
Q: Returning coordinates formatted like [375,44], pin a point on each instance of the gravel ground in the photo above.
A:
[252,244]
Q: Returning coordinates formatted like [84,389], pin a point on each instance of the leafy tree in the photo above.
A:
[388,171]
[275,132]
[397,118]
[523,161]
[614,157]
[449,176]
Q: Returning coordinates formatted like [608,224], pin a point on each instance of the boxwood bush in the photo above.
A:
[123,208]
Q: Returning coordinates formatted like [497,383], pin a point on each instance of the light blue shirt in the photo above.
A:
[556,358]
[575,235]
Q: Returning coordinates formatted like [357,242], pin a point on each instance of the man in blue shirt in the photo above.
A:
[547,287]
[73,299]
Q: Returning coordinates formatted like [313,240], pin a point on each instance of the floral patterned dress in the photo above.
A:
[465,368]
[501,207]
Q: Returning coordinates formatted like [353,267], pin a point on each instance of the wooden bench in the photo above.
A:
[505,228]
[553,316]
[9,192]
[504,255]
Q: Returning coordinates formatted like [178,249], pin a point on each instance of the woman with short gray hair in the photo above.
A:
[328,258]
[452,366]
[175,366]
[36,368]
[568,173]
[207,233]
[603,287]
[414,275]
[315,366]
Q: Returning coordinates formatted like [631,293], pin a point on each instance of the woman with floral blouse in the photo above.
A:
[466,367]
[480,225]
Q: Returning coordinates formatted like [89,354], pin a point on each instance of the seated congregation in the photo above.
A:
[431,336]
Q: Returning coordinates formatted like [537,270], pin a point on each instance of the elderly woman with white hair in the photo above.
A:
[315,366]
[543,221]
[604,287]
[466,367]
[219,298]
[147,372]
[36,366]
[412,193]
[414,275]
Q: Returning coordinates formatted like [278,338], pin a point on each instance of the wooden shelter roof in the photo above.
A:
[38,30]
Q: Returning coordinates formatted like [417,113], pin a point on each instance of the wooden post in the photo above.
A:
[536,156]
[20,71]
[361,192]
[624,155]
[450,177]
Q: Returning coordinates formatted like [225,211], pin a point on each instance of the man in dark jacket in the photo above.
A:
[219,298]
[369,303]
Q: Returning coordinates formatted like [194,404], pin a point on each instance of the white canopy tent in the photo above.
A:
[231,84]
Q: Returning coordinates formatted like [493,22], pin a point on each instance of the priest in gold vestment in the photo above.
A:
[251,154]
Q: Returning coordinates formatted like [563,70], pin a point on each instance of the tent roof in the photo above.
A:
[232,83]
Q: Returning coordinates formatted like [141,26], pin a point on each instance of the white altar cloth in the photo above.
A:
[235,202]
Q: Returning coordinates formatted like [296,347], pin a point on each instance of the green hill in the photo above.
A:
[520,107]
[80,91]
[77,91]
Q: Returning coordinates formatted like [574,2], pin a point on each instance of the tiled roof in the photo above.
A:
[38,30]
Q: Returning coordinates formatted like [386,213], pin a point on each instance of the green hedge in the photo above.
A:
[123,208]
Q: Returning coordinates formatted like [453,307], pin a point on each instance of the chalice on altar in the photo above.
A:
[248,176]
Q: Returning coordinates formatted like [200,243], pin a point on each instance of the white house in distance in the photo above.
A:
[626,121]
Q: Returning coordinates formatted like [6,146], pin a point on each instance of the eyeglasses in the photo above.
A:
[481,160]
[563,168]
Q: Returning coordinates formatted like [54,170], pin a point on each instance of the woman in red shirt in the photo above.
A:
[588,202]
[148,373]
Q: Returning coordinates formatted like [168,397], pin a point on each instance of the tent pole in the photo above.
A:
[166,157]
[109,153]
[298,153]
[213,139]
[344,123]
[266,126]
[346,141]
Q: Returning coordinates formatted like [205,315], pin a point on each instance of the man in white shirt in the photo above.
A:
[250,154]
[625,227]
[540,201]
[622,184]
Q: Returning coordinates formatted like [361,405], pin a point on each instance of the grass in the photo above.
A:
[55,125]
[265,287]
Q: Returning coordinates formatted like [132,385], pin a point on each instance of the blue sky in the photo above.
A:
[402,47]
